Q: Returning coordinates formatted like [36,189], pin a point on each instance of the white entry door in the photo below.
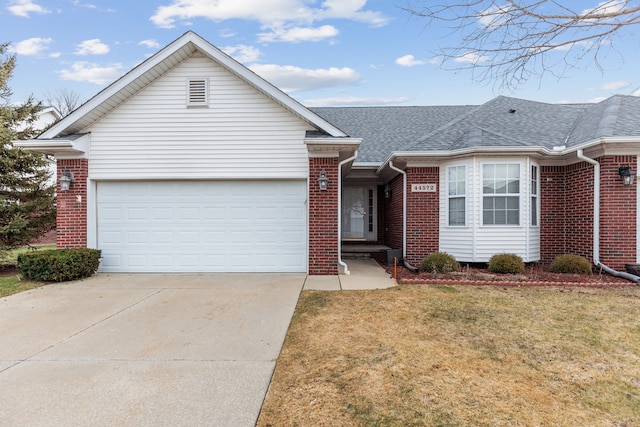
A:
[358,213]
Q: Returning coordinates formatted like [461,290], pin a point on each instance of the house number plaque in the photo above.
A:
[423,188]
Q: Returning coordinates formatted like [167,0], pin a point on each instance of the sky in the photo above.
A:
[320,52]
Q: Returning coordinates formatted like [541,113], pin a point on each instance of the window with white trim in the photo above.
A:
[197,93]
[501,194]
[534,195]
[457,191]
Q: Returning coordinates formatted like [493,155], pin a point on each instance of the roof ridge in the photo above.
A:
[449,124]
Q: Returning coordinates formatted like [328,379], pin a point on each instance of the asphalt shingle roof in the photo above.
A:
[501,122]
[387,129]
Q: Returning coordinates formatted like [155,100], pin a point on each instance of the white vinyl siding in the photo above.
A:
[476,242]
[242,135]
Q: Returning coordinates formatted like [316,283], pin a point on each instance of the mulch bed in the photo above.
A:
[534,275]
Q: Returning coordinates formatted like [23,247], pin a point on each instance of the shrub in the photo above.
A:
[59,265]
[571,264]
[439,262]
[506,263]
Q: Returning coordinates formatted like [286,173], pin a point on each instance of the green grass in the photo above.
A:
[10,282]
[12,255]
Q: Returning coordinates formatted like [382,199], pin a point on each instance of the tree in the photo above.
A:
[509,41]
[27,204]
[64,101]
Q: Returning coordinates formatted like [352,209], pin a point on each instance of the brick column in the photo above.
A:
[323,218]
[553,206]
[617,213]
[423,211]
[71,220]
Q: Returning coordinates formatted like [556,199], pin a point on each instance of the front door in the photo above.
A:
[358,213]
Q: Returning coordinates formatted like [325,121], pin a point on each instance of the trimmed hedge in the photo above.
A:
[59,265]
[439,262]
[570,264]
[506,264]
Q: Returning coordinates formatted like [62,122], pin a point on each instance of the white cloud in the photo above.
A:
[617,85]
[32,46]
[586,44]
[494,16]
[226,33]
[87,5]
[636,92]
[295,79]
[354,100]
[83,71]
[409,61]
[242,53]
[55,55]
[25,7]
[299,34]
[92,47]
[271,13]
[150,43]
[605,8]
[471,58]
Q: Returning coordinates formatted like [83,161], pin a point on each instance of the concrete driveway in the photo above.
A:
[143,350]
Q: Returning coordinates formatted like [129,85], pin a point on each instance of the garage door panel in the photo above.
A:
[202,226]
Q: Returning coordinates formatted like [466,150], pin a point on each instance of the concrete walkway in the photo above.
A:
[143,350]
[365,274]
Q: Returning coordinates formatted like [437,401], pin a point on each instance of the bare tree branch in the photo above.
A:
[508,41]
[65,101]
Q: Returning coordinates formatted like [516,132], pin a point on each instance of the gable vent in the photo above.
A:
[198,92]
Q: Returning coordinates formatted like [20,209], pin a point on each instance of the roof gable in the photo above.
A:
[163,61]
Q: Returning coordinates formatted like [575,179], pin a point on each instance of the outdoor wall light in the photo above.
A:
[627,175]
[65,180]
[323,181]
[387,191]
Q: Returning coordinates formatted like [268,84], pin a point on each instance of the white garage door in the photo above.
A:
[187,226]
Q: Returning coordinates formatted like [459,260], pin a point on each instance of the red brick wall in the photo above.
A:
[393,215]
[71,221]
[552,212]
[323,218]
[617,213]
[567,212]
[423,225]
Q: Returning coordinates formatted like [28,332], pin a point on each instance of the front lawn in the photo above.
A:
[10,282]
[419,355]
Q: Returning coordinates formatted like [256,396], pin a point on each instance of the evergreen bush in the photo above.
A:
[439,262]
[506,264]
[59,265]
[570,264]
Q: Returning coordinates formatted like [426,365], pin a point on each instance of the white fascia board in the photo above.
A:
[366,165]
[445,154]
[331,147]
[604,141]
[214,53]
[345,141]
[59,148]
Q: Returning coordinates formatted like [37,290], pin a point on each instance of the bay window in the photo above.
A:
[501,194]
[457,189]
